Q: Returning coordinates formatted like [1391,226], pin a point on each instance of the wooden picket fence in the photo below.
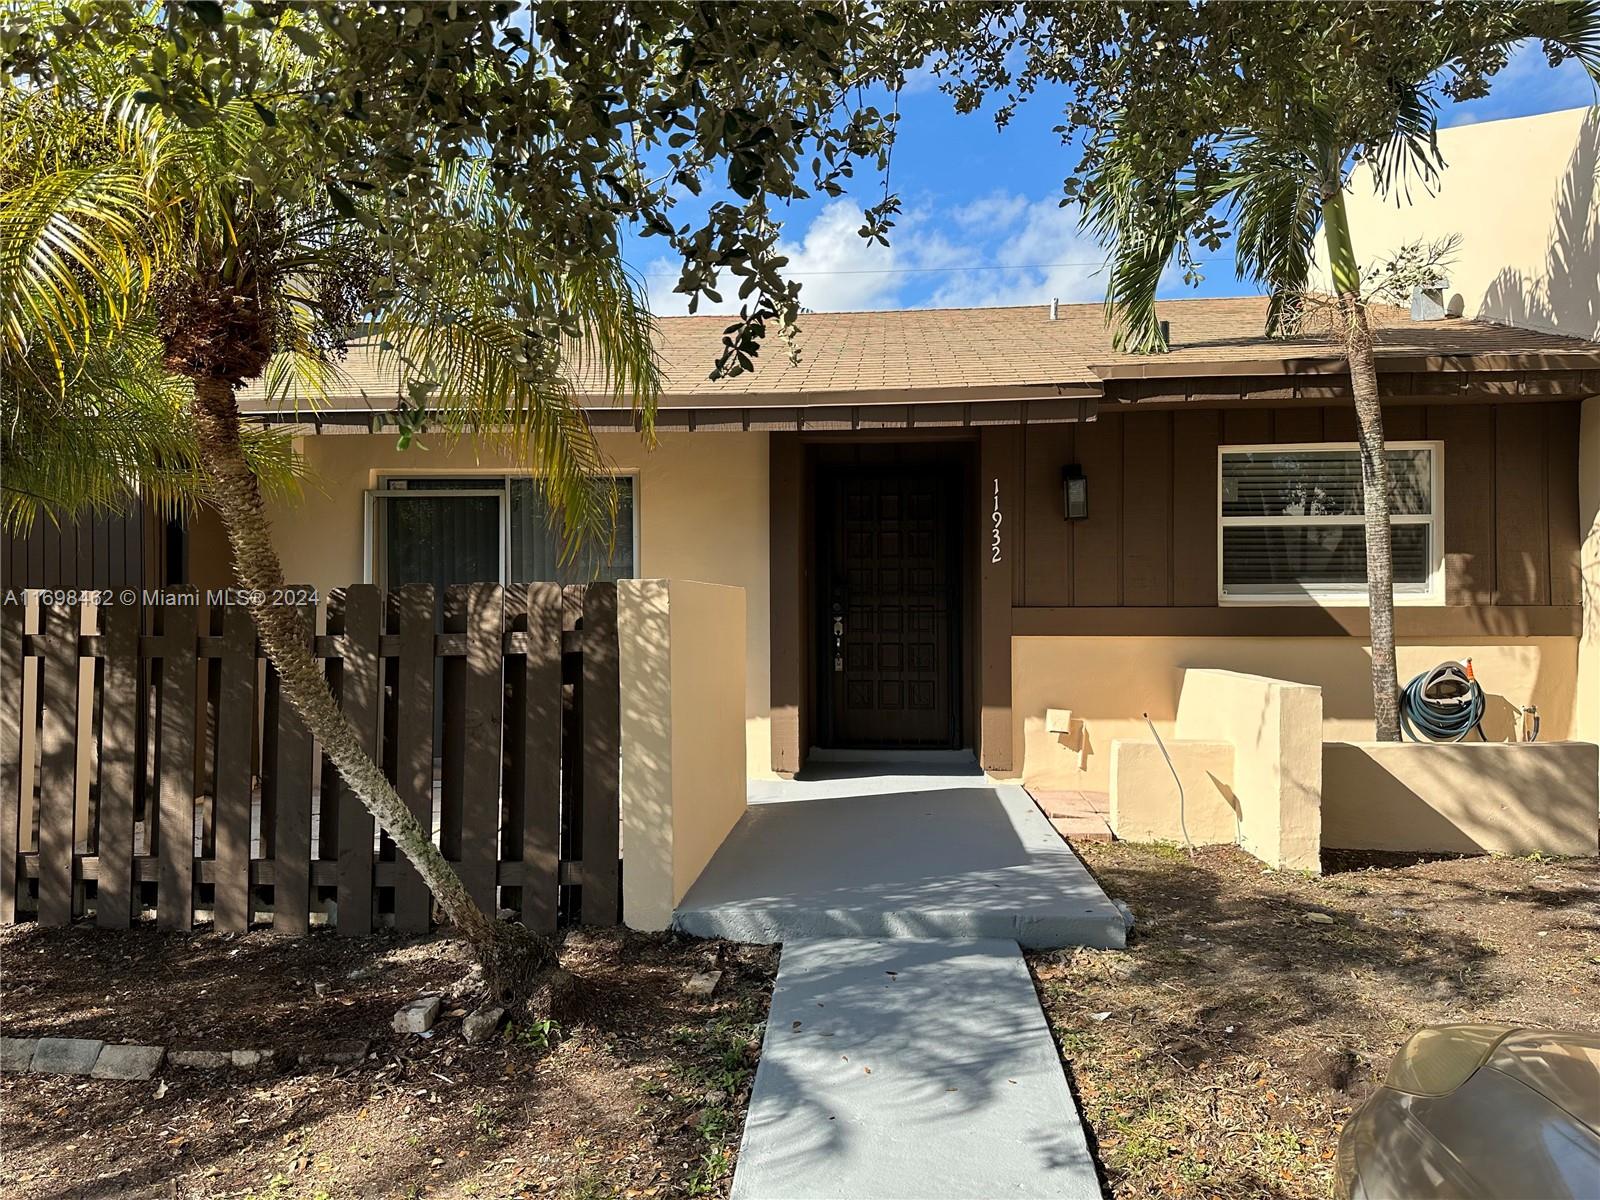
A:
[147,763]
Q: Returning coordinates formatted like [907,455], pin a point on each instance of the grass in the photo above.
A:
[713,1167]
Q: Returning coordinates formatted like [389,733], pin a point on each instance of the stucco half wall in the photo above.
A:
[1109,681]
[683,782]
[1461,797]
[702,510]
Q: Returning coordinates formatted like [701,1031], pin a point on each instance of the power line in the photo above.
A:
[929,270]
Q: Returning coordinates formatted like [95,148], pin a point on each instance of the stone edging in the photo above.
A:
[112,1060]
[103,1060]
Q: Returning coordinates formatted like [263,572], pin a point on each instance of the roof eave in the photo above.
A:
[1545,360]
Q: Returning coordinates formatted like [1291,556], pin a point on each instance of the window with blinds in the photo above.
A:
[1292,522]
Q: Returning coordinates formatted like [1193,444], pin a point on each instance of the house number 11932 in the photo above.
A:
[997,518]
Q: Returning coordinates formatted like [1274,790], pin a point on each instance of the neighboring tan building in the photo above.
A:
[1523,195]
[907,479]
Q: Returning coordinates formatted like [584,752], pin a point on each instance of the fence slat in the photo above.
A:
[356,612]
[534,785]
[602,735]
[413,618]
[286,763]
[119,750]
[179,630]
[479,610]
[236,686]
[531,752]
[15,774]
[58,765]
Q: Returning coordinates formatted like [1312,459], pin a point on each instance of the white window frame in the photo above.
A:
[1431,593]
[374,568]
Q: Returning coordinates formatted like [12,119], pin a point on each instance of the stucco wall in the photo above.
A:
[702,513]
[683,781]
[1275,728]
[1108,682]
[1145,801]
[1466,797]
[1524,196]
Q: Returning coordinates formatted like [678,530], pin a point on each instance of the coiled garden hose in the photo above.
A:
[1443,705]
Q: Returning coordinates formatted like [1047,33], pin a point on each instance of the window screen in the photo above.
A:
[1292,521]
[445,530]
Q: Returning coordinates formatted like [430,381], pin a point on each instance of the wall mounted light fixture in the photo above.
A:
[1074,492]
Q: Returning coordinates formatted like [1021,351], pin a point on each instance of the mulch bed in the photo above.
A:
[1254,1010]
[643,1094]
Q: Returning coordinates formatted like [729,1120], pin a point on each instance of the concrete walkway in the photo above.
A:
[850,853]
[906,1056]
[909,1070]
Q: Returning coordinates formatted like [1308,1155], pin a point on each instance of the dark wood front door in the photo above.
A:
[889,605]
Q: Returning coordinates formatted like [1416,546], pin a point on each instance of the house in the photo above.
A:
[986,529]
[1528,255]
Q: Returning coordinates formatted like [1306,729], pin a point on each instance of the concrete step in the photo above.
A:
[909,1070]
[916,857]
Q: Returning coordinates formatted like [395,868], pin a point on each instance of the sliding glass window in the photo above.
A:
[445,530]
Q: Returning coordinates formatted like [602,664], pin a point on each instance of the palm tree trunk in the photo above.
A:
[1374,464]
[512,957]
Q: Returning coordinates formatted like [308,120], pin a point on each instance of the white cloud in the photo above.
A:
[1000,249]
[997,210]
[838,271]
[1040,254]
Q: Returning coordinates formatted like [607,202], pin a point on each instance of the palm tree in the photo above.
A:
[1287,108]
[149,267]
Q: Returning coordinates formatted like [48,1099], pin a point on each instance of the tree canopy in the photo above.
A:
[1201,122]
[586,118]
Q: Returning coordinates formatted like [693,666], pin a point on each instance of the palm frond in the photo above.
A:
[1412,150]
[85,221]
[119,433]
[1573,29]
[504,350]
[1143,223]
[1272,203]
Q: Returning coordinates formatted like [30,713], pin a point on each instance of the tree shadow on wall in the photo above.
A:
[1565,297]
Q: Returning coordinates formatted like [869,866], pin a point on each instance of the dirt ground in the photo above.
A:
[644,1096]
[1217,1057]
[1253,1010]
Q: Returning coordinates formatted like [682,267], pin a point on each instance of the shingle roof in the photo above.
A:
[978,354]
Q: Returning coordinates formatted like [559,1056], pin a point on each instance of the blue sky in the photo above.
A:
[982,225]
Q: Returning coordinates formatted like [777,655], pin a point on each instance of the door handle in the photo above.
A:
[838,643]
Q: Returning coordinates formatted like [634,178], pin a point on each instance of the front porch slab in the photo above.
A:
[886,851]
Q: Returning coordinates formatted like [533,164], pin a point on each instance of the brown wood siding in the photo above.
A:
[1096,556]
[1561,443]
[1047,565]
[1150,539]
[95,551]
[1194,501]
[1522,541]
[1000,475]
[1146,509]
